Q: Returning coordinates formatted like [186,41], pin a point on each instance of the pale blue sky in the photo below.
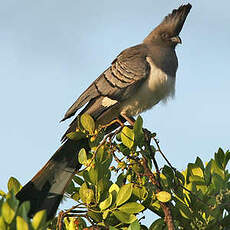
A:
[50,51]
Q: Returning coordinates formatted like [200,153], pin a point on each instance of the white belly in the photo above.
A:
[159,86]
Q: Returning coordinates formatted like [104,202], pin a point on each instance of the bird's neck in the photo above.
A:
[164,57]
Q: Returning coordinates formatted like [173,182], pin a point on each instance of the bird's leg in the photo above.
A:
[117,120]
[131,120]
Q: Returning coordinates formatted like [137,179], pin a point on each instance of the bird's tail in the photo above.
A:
[47,187]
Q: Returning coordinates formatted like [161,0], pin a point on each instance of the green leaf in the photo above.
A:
[114,187]
[106,203]
[218,181]
[163,196]
[125,217]
[227,158]
[93,175]
[87,123]
[118,136]
[76,136]
[180,176]
[131,207]
[23,210]
[101,154]
[121,179]
[3,194]
[95,216]
[86,194]
[140,192]
[197,171]
[138,132]
[127,137]
[8,213]
[71,224]
[168,172]
[105,214]
[39,219]
[78,180]
[219,158]
[2,224]
[13,184]
[216,169]
[199,163]
[76,195]
[82,157]
[199,180]
[134,226]
[183,209]
[21,223]
[124,194]
[112,228]
[157,225]
[207,173]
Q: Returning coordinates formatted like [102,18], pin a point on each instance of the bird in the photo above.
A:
[138,78]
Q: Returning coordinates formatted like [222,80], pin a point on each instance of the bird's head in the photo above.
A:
[167,33]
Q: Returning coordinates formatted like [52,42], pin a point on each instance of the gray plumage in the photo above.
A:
[137,79]
[131,70]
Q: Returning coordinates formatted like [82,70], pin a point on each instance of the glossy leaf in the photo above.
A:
[112,228]
[93,175]
[82,156]
[132,207]
[157,225]
[87,123]
[21,223]
[199,163]
[125,217]
[167,171]
[140,192]
[134,226]
[3,194]
[124,194]
[13,184]
[23,210]
[114,187]
[163,196]
[76,136]
[101,154]
[105,214]
[39,219]
[197,171]
[127,137]
[2,224]
[8,212]
[106,203]
[78,180]
[138,132]
[86,194]
[219,158]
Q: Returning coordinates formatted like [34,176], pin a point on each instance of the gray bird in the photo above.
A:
[137,79]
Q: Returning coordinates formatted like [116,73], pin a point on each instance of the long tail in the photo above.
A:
[47,187]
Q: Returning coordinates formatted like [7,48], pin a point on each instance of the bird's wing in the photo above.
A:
[117,83]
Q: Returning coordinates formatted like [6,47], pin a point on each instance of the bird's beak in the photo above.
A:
[176,39]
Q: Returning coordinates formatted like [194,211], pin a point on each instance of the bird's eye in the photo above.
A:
[164,36]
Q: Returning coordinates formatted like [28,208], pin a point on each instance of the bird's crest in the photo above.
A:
[173,23]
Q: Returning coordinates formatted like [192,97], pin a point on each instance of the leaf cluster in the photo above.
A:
[120,182]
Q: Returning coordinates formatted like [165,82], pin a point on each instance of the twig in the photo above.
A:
[165,206]
[159,150]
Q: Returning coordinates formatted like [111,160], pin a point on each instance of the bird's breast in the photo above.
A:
[157,87]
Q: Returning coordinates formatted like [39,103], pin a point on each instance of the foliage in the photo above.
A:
[15,216]
[121,180]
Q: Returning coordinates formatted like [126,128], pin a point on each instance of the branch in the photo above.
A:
[156,181]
